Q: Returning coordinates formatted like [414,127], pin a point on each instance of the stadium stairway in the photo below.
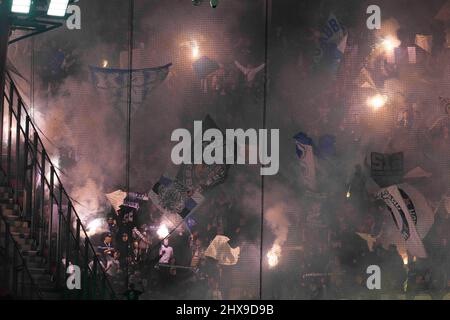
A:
[19,229]
[42,232]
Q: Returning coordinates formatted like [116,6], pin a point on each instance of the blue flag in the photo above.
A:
[115,83]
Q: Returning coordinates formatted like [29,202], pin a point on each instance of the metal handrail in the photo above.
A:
[33,149]
[34,287]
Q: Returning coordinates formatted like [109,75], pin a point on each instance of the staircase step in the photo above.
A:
[10,206]
[7,189]
[35,265]
[22,235]
[34,261]
[6,196]
[26,247]
[22,241]
[43,278]
[49,295]
[36,270]
[19,223]
[29,253]
[19,227]
[11,218]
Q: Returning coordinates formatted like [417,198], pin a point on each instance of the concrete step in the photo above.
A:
[26,247]
[23,235]
[29,253]
[10,207]
[34,261]
[36,270]
[19,230]
[16,235]
[6,197]
[6,189]
[18,223]
[11,218]
[43,278]
[52,295]
[35,265]
[22,241]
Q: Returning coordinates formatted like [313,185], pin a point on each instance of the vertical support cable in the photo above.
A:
[32,79]
[129,104]
[129,98]
[266,34]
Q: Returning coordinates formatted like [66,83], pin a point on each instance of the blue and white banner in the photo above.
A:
[170,196]
[332,45]
[408,219]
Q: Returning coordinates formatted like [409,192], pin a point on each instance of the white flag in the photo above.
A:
[116,198]
[409,218]
[220,250]
[424,42]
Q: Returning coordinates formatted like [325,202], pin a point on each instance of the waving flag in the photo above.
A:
[332,45]
[410,218]
[174,199]
[305,153]
[220,250]
[203,177]
[179,196]
[116,198]
[114,82]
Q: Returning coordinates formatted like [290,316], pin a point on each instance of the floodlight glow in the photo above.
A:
[58,8]
[21,6]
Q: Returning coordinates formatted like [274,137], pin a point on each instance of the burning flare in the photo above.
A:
[390,43]
[377,101]
[195,49]
[93,226]
[162,232]
[273,256]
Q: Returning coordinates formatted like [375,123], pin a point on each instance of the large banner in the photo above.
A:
[408,219]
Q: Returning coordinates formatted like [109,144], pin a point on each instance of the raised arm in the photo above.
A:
[243,69]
